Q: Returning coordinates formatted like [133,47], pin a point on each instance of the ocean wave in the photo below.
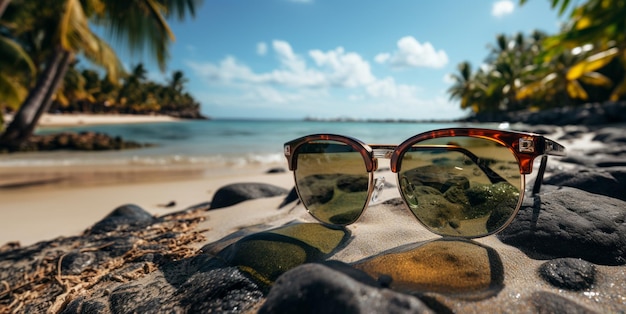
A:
[154,160]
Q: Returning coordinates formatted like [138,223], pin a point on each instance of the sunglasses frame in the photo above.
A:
[524,146]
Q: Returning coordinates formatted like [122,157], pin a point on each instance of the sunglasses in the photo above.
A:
[461,182]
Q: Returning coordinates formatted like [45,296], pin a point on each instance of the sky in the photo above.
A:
[365,59]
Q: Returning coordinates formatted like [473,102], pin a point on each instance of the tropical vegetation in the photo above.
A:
[88,91]
[40,46]
[585,62]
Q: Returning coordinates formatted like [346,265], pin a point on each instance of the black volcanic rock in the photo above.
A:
[569,222]
[236,193]
[568,273]
[315,288]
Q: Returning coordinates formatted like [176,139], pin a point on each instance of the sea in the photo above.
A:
[214,142]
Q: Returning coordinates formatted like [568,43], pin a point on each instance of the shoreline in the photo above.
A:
[64,120]
[44,203]
[40,202]
[172,245]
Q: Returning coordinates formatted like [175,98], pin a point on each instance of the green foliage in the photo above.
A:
[86,91]
[585,62]
[30,30]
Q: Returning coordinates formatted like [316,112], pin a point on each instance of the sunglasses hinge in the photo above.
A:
[526,145]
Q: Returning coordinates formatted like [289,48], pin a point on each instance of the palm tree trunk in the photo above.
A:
[38,100]
[3,6]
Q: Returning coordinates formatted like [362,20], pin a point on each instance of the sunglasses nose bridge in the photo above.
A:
[382,153]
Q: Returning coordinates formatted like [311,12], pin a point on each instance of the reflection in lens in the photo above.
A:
[460,186]
[332,181]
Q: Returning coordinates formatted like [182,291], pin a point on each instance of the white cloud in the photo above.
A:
[261,49]
[344,69]
[226,71]
[411,53]
[382,57]
[287,57]
[388,88]
[502,7]
[320,83]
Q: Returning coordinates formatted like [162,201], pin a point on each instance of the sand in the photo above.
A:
[41,203]
[57,120]
[44,211]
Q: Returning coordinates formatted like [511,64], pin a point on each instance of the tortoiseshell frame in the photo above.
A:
[524,146]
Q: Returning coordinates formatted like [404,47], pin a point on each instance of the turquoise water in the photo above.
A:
[215,141]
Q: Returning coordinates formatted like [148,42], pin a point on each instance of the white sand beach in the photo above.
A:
[41,203]
[56,120]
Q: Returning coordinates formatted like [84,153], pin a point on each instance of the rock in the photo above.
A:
[568,273]
[276,170]
[291,197]
[84,141]
[123,216]
[611,135]
[75,263]
[83,305]
[609,162]
[169,204]
[547,303]
[593,180]
[195,285]
[569,222]
[236,193]
[590,180]
[315,288]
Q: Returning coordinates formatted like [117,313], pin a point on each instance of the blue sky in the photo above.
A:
[339,58]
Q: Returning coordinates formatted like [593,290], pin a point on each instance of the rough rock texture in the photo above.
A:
[123,216]
[569,222]
[314,288]
[569,273]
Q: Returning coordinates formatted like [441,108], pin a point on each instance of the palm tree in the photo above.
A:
[139,23]
[599,23]
[464,86]
[560,81]
[3,6]
[16,67]
[178,80]
[14,64]
[61,37]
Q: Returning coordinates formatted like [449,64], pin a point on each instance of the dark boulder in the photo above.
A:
[123,216]
[569,222]
[236,193]
[595,181]
[568,273]
[315,288]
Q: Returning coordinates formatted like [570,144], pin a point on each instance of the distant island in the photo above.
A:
[135,95]
[389,120]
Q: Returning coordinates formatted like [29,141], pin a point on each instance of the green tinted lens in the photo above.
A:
[332,181]
[461,186]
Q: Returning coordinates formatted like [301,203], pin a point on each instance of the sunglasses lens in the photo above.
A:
[332,181]
[461,186]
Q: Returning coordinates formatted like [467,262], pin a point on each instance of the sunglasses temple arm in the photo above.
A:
[542,170]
